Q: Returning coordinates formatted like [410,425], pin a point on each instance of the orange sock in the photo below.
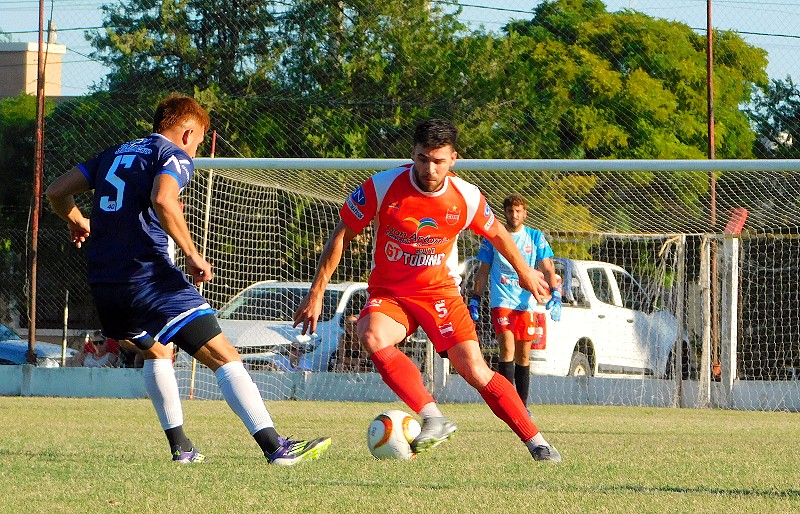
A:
[504,401]
[402,377]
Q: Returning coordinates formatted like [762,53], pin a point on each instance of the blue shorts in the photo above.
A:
[156,308]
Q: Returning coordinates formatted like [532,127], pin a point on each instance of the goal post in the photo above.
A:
[268,219]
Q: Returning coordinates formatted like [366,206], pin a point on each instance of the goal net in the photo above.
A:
[680,279]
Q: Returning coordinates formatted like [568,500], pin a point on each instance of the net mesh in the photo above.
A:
[272,225]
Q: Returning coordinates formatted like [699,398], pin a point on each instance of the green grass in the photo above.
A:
[103,455]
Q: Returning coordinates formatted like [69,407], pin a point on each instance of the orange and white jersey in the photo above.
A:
[415,232]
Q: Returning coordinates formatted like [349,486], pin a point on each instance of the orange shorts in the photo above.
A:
[445,319]
[522,324]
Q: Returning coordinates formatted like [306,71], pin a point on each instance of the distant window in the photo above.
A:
[633,296]
[601,285]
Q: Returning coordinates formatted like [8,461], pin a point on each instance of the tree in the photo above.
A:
[367,71]
[578,82]
[775,111]
[325,78]
[185,45]
[625,85]
[17,136]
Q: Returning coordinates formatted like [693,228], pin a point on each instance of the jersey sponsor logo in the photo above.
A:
[528,248]
[490,221]
[373,302]
[135,146]
[422,258]
[355,199]
[414,239]
[502,321]
[508,281]
[423,223]
[354,208]
[446,329]
[487,211]
[359,197]
[393,251]
[453,215]
[393,206]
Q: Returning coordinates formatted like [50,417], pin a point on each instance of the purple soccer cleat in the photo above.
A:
[291,452]
[193,456]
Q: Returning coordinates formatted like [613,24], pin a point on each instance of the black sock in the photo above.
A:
[522,380]
[267,439]
[507,370]
[176,437]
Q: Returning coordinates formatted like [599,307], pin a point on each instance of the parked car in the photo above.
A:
[258,321]
[13,349]
[609,327]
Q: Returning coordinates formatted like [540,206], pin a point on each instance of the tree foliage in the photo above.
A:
[17,143]
[325,78]
[185,44]
[775,112]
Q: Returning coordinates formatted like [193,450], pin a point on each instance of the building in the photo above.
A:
[19,64]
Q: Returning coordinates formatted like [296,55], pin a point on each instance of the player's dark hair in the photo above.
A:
[435,133]
[514,199]
[178,109]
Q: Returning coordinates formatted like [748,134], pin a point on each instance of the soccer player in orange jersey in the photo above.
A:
[418,211]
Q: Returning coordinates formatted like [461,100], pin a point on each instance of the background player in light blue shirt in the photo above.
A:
[140,294]
[512,307]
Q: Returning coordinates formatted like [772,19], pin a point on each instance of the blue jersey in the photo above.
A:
[504,289]
[128,243]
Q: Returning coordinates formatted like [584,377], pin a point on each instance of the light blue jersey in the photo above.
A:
[504,286]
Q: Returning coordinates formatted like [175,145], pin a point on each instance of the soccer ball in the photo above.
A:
[390,434]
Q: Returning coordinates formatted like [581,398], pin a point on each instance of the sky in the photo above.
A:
[772,25]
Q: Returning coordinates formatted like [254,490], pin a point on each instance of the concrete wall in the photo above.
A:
[28,380]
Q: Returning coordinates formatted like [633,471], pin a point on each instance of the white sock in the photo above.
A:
[162,387]
[243,396]
[430,410]
[537,440]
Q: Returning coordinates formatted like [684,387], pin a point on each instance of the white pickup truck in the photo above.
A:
[609,327]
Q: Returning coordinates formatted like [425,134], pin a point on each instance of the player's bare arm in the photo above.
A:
[311,306]
[548,269]
[61,196]
[481,279]
[529,278]
[164,198]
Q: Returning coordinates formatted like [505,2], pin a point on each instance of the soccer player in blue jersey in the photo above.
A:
[512,306]
[141,295]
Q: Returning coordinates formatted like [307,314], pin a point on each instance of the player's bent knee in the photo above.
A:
[217,352]
[477,376]
[471,367]
[372,342]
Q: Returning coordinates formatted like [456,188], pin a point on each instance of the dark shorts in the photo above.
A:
[155,309]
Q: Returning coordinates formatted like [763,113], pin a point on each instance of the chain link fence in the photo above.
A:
[318,78]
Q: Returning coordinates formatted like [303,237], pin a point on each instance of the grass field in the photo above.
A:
[103,455]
